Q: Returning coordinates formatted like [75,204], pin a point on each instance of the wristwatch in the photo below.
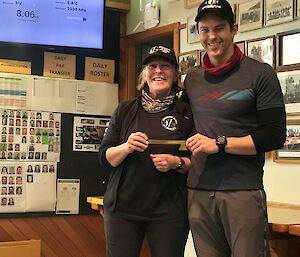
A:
[221,142]
[181,164]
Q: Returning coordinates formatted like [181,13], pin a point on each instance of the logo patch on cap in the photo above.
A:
[211,4]
[159,48]
[169,123]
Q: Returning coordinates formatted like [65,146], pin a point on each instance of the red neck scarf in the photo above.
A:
[225,67]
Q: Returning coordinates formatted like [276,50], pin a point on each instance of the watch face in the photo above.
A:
[221,140]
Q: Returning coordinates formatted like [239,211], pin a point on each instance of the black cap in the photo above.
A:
[220,7]
[163,52]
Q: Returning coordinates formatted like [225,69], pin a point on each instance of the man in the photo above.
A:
[19,170]
[4,191]
[3,201]
[19,180]
[239,115]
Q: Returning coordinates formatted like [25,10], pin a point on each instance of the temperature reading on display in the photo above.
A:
[26,14]
[72,2]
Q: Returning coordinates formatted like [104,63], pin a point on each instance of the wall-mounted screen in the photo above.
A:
[71,23]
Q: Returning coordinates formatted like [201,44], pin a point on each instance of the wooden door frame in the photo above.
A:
[127,64]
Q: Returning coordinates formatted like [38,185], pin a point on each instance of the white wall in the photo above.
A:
[281,180]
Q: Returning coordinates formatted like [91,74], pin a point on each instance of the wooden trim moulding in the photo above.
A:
[119,6]
[283,205]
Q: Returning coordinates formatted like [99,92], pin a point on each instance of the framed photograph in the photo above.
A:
[298,9]
[278,11]
[250,15]
[262,50]
[290,86]
[290,152]
[192,33]
[241,46]
[192,3]
[186,61]
[201,55]
[288,50]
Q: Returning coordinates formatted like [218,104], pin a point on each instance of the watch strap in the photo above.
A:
[221,142]
[181,164]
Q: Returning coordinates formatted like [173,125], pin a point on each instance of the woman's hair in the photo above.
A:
[142,83]
[142,79]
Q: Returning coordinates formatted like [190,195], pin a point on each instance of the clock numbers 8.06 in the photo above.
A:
[26,14]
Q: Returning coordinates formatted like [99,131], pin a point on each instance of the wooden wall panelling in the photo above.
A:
[61,236]
[74,236]
[25,225]
[53,242]
[12,230]
[4,235]
[95,226]
[90,241]
[68,244]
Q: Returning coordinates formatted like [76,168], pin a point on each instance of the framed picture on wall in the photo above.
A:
[186,61]
[192,3]
[201,55]
[241,46]
[278,11]
[191,27]
[250,15]
[297,9]
[290,152]
[288,50]
[262,50]
[290,86]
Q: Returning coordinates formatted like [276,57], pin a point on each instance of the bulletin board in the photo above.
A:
[33,157]
[72,164]
[81,165]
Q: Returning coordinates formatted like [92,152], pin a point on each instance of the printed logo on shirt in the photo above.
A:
[169,123]
[242,95]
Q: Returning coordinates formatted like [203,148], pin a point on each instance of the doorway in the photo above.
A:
[134,47]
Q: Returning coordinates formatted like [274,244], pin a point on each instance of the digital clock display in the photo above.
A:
[77,23]
[26,14]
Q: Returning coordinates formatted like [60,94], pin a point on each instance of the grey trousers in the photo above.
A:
[229,223]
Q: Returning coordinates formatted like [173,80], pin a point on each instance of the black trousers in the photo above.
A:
[124,237]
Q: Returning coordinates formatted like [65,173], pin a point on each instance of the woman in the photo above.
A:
[45,168]
[30,169]
[146,194]
[4,170]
